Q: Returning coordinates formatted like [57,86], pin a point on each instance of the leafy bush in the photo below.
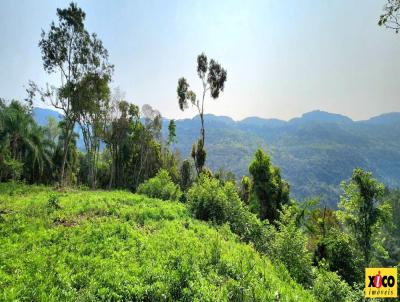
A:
[342,257]
[211,200]
[10,168]
[208,200]
[289,246]
[329,287]
[54,202]
[160,186]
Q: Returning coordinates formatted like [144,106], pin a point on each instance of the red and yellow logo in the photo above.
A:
[381,283]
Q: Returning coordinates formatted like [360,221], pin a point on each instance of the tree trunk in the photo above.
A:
[111,168]
[63,164]
[202,129]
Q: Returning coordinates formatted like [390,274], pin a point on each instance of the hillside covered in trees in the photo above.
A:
[315,152]
[104,200]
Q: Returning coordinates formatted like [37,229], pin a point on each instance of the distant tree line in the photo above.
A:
[123,144]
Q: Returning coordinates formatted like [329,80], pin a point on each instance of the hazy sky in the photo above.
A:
[283,58]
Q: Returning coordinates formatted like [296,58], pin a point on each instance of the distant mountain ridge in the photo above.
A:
[315,151]
[41,115]
[321,116]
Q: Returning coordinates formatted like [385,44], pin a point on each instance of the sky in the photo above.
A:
[283,58]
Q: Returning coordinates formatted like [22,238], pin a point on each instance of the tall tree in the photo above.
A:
[171,132]
[71,163]
[245,189]
[152,120]
[269,192]
[213,78]
[145,146]
[68,49]
[93,94]
[135,147]
[186,174]
[121,119]
[52,129]
[171,157]
[392,232]
[362,212]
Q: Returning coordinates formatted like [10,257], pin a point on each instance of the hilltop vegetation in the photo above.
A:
[86,246]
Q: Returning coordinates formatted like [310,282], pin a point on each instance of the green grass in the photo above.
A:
[118,246]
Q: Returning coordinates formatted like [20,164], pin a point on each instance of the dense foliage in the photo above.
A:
[25,148]
[290,247]
[364,213]
[328,287]
[132,151]
[268,191]
[120,246]
[211,200]
[161,186]
[315,152]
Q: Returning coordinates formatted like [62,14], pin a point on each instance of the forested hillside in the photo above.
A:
[315,152]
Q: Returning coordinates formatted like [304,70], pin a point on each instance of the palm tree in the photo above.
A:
[23,140]
[38,153]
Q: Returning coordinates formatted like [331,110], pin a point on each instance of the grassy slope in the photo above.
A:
[121,246]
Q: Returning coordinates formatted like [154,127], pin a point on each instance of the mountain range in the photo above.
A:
[315,152]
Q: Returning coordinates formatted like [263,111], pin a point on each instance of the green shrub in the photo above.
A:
[329,287]
[160,186]
[289,246]
[210,200]
[245,223]
[342,257]
[54,202]
[10,169]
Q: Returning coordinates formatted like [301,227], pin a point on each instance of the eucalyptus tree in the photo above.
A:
[145,146]
[71,167]
[121,118]
[391,15]
[92,103]
[171,157]
[71,51]
[213,78]
[152,120]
